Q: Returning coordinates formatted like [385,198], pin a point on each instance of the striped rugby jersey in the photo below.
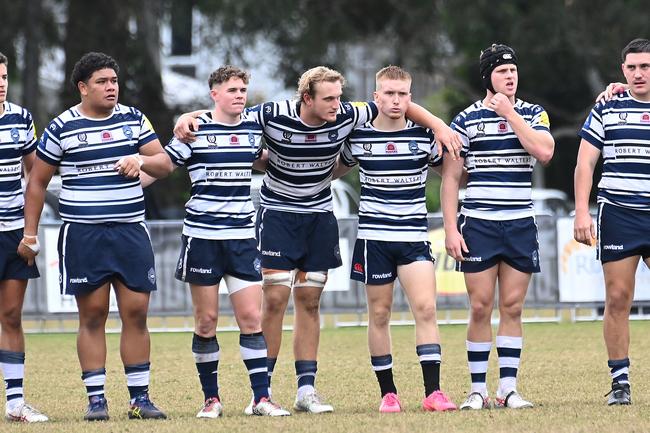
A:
[393,168]
[302,157]
[17,138]
[220,164]
[86,150]
[620,129]
[499,168]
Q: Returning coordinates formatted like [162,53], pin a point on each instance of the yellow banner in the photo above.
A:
[448,281]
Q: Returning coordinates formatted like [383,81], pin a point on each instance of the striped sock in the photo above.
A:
[206,356]
[137,379]
[306,375]
[270,365]
[619,370]
[383,367]
[94,381]
[13,371]
[430,357]
[253,351]
[477,358]
[509,351]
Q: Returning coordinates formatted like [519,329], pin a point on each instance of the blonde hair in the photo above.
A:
[391,73]
[309,79]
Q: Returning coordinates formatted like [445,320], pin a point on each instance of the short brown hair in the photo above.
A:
[309,79]
[392,73]
[3,60]
[225,73]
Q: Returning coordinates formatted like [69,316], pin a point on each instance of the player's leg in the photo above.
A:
[419,283]
[513,285]
[12,351]
[619,293]
[205,347]
[276,292]
[91,348]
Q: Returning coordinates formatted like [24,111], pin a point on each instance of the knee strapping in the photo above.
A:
[278,279]
[312,279]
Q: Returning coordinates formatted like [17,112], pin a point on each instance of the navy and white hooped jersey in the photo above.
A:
[620,128]
[302,157]
[86,150]
[393,169]
[499,168]
[219,163]
[17,138]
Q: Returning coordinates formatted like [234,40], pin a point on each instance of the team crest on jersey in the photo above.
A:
[390,147]
[15,135]
[310,138]
[257,265]
[267,109]
[358,268]
[106,135]
[622,118]
[413,147]
[251,139]
[151,276]
[234,140]
[128,132]
[286,136]
[502,127]
[645,117]
[480,130]
[333,135]
[367,147]
[83,139]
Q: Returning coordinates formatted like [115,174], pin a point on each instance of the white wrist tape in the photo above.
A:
[35,247]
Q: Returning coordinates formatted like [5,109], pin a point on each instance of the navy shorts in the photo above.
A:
[309,241]
[204,262]
[12,266]
[91,255]
[376,262]
[622,233]
[490,242]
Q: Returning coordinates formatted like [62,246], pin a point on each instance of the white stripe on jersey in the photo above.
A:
[301,157]
[220,164]
[393,169]
[86,151]
[620,128]
[17,138]
[499,168]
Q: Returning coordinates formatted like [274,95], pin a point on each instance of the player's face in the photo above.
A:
[505,79]
[4,83]
[325,103]
[637,73]
[393,97]
[101,90]
[230,97]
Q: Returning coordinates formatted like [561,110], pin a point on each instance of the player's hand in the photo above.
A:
[455,245]
[501,105]
[129,166]
[28,249]
[185,127]
[611,90]
[450,139]
[583,229]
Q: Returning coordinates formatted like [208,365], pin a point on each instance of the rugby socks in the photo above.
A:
[429,355]
[306,375]
[383,368]
[137,379]
[477,359]
[509,351]
[253,351]
[270,365]
[94,381]
[206,357]
[13,372]
[619,370]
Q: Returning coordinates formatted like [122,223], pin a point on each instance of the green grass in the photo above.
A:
[563,372]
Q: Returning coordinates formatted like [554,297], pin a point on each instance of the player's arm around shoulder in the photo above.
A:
[445,136]
[583,226]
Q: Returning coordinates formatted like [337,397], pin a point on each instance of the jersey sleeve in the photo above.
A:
[261,113]
[31,141]
[49,146]
[458,125]
[593,130]
[434,159]
[362,112]
[346,155]
[147,134]
[178,151]
[540,120]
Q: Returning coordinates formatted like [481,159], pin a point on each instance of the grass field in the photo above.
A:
[563,372]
